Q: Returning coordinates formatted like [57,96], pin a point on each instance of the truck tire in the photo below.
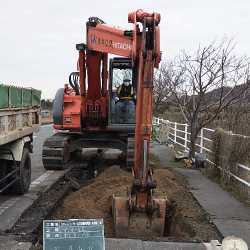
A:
[21,186]
[3,173]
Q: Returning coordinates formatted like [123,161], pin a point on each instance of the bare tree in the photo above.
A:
[161,90]
[214,78]
[164,82]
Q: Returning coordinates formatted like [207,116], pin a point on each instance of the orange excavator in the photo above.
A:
[86,111]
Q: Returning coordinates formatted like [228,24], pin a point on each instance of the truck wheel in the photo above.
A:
[21,186]
[3,173]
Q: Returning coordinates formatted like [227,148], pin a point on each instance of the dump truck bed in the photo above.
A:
[20,112]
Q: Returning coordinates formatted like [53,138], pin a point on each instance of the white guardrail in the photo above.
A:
[183,128]
[175,127]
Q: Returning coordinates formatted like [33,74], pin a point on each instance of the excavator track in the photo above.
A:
[56,152]
[130,152]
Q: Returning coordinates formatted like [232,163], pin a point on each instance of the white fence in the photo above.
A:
[183,128]
[179,134]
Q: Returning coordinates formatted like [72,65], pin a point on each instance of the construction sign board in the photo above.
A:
[87,234]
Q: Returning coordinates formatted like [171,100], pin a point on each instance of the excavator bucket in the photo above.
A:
[138,224]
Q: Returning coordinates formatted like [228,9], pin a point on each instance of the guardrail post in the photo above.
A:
[186,130]
[201,141]
[175,131]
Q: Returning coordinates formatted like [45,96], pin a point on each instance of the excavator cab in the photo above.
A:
[122,118]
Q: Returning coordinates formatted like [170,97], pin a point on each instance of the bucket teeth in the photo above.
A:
[136,224]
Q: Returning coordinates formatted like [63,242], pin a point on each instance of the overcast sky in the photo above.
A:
[38,37]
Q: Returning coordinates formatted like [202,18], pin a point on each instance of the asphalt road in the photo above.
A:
[36,158]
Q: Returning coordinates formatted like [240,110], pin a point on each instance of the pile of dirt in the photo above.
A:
[185,219]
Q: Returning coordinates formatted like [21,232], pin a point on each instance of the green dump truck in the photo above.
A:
[20,117]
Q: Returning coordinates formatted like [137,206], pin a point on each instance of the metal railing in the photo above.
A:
[181,137]
[176,131]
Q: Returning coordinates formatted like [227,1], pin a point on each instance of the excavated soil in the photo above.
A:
[185,219]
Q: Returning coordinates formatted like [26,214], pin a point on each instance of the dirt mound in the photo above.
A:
[94,201]
[185,219]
